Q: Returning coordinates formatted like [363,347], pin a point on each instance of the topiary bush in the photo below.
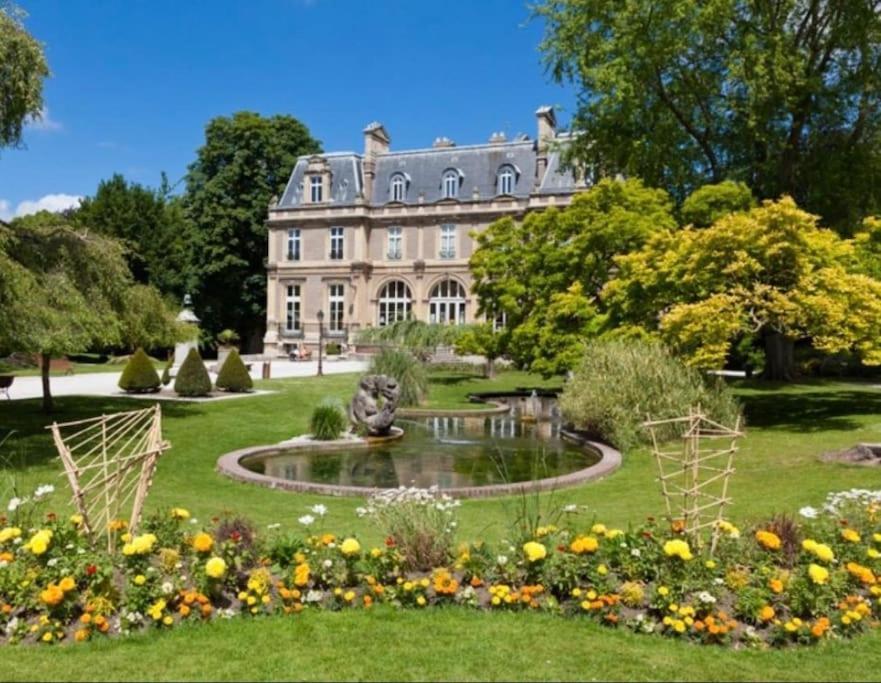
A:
[192,377]
[329,420]
[407,369]
[233,375]
[332,349]
[139,376]
[622,383]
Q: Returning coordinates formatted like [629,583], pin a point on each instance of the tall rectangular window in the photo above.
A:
[448,241]
[394,243]
[315,187]
[294,244]
[337,307]
[292,318]
[336,243]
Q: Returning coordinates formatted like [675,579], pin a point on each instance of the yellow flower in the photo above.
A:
[876,537]
[202,542]
[678,548]
[39,542]
[168,620]
[614,533]
[818,574]
[9,533]
[820,550]
[47,637]
[140,580]
[850,535]
[67,584]
[215,567]
[53,595]
[663,591]
[873,554]
[180,513]
[534,551]
[350,547]
[598,529]
[301,574]
[348,596]
[421,601]
[710,564]
[728,529]
[76,519]
[602,570]
[140,545]
[768,540]
[584,544]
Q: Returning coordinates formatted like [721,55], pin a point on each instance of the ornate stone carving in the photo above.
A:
[375,403]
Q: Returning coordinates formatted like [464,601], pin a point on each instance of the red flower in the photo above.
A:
[390,542]
[50,516]
[646,534]
[561,548]
[91,569]
[235,537]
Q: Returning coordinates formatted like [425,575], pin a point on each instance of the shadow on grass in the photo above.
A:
[29,441]
[810,410]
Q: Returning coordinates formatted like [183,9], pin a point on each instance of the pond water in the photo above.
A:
[449,452]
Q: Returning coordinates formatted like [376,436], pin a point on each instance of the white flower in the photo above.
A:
[43,490]
[273,526]
[636,552]
[306,520]
[502,560]
[706,597]
[718,581]
[360,511]
[809,512]
[313,596]
[327,564]
[572,508]
[319,510]
[52,562]
[14,504]
[167,588]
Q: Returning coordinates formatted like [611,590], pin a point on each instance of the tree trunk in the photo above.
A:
[779,364]
[490,368]
[45,363]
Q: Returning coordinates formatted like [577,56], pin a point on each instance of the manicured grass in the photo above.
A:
[78,369]
[777,470]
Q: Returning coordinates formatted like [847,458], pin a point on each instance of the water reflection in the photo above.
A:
[449,452]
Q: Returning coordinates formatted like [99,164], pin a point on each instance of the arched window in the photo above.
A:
[398,187]
[505,180]
[450,184]
[395,302]
[447,303]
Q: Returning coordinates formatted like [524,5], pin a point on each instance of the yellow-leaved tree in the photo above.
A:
[771,274]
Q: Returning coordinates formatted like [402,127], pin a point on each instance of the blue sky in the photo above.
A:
[134,82]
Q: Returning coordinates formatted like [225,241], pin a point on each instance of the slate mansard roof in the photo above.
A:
[423,170]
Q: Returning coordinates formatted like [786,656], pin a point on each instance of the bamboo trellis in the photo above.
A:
[694,478]
[109,462]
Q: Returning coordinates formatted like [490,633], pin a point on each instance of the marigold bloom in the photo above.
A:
[534,551]
[349,547]
[9,533]
[678,548]
[766,613]
[180,513]
[52,595]
[818,574]
[819,550]
[203,542]
[584,544]
[215,567]
[301,574]
[850,535]
[768,540]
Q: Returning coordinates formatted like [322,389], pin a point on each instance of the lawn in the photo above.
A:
[777,470]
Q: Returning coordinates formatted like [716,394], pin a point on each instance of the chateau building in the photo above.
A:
[369,239]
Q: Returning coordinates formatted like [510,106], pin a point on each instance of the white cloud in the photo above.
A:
[44,122]
[49,202]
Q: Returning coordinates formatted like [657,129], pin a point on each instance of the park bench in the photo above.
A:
[5,383]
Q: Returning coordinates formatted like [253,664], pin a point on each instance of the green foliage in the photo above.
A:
[23,69]
[784,96]
[621,383]
[408,370]
[329,420]
[771,273]
[332,349]
[166,372]
[139,376]
[228,337]
[420,338]
[708,203]
[245,161]
[544,273]
[233,375]
[482,339]
[192,378]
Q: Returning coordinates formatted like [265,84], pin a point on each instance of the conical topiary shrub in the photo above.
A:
[139,376]
[233,375]
[192,377]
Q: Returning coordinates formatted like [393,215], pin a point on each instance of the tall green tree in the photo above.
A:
[784,95]
[543,273]
[23,69]
[151,225]
[770,274]
[68,290]
[245,161]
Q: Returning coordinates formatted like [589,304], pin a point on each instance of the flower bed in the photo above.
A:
[784,582]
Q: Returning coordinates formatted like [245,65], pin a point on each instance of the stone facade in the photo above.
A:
[375,237]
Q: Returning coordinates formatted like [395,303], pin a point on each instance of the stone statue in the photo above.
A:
[375,403]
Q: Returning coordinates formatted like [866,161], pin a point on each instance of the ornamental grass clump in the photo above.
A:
[621,383]
[407,369]
[139,376]
[192,377]
[233,376]
[329,420]
[419,523]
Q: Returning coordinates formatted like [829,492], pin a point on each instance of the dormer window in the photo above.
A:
[450,184]
[505,180]
[316,186]
[398,187]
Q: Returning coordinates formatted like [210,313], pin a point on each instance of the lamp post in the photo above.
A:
[320,340]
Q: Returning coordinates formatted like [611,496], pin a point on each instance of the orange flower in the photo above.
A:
[86,618]
[776,585]
[766,613]
[768,540]
[368,601]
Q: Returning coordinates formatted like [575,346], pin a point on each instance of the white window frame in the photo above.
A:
[294,252]
[395,243]
[398,188]
[336,296]
[316,189]
[395,302]
[450,184]
[447,241]
[293,309]
[446,304]
[506,180]
[337,244]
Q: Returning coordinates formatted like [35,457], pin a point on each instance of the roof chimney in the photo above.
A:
[443,142]
[547,131]
[376,141]
[497,138]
